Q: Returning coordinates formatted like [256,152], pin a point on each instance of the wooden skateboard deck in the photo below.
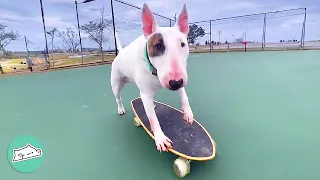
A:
[190,142]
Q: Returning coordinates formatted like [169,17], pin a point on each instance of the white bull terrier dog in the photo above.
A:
[154,60]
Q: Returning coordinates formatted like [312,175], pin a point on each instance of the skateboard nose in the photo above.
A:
[175,85]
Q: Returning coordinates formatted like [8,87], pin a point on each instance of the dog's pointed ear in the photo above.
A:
[149,24]
[182,22]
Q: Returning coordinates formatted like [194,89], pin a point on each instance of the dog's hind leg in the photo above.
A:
[117,83]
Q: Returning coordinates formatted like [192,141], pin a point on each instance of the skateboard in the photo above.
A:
[190,142]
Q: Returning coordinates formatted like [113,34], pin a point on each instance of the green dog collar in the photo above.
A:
[152,69]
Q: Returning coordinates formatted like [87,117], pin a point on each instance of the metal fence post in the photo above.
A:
[45,36]
[210,37]
[114,29]
[79,33]
[264,31]
[26,42]
[303,29]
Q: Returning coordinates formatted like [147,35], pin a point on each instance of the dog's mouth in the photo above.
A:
[170,88]
[174,89]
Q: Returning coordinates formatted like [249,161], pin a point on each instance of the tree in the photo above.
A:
[70,38]
[95,30]
[238,40]
[6,38]
[52,33]
[194,33]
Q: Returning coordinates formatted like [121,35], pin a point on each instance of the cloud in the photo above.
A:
[60,1]
[158,3]
[293,22]
[56,22]
[235,6]
[13,17]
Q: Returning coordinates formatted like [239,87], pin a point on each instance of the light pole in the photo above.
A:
[45,35]
[76,3]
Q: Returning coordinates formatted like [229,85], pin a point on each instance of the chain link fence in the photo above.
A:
[279,30]
[128,21]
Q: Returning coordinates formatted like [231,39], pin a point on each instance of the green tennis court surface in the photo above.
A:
[262,109]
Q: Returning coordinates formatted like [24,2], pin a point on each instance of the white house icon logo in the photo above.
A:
[26,153]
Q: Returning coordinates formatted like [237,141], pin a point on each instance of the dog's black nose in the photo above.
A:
[175,85]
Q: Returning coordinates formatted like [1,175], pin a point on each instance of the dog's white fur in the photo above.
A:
[130,66]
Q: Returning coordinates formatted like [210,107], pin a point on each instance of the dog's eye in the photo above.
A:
[183,44]
[158,46]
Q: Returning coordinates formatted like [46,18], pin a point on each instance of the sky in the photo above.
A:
[24,16]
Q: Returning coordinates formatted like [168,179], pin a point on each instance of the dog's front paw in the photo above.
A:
[187,115]
[162,141]
[121,110]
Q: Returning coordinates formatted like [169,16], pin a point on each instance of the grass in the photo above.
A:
[59,61]
[9,66]
[16,61]
[78,60]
